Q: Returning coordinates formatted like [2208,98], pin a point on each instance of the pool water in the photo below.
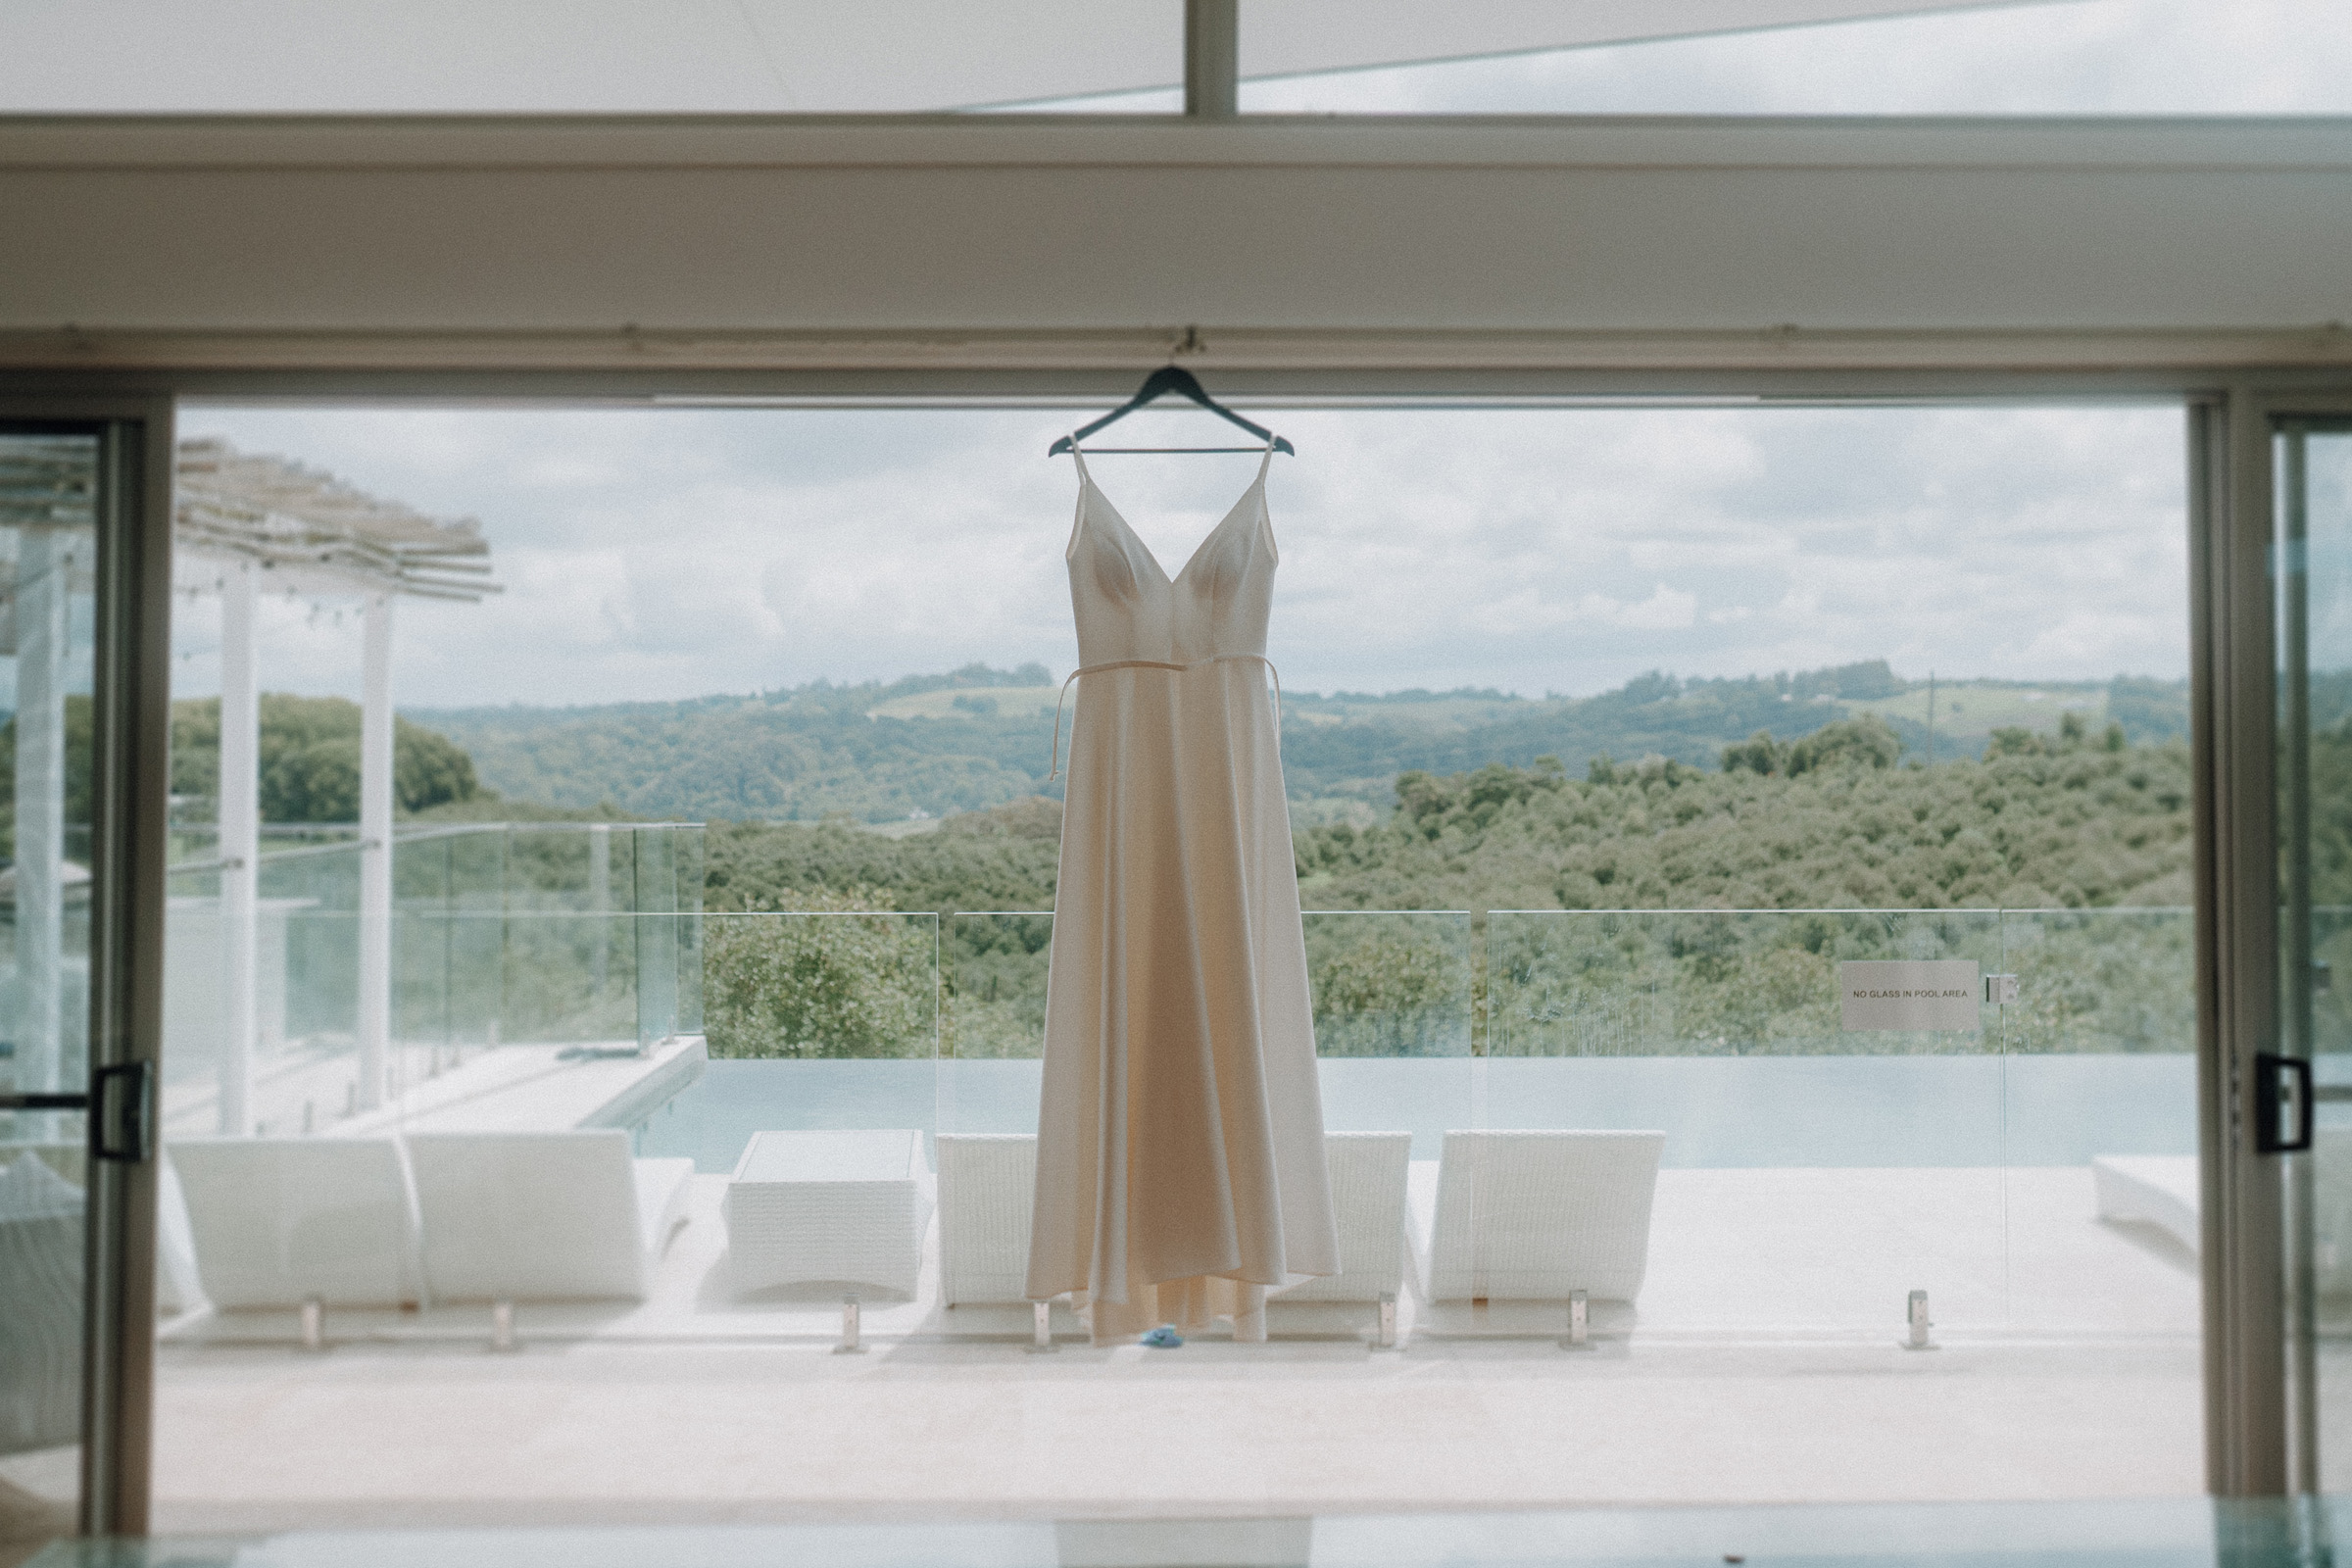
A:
[1716,1111]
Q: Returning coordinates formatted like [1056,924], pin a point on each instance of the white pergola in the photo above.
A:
[278,526]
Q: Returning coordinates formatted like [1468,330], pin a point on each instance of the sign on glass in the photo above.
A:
[1909,993]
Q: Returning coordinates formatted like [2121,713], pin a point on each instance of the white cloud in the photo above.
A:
[2242,56]
[665,553]
[1665,610]
[654,554]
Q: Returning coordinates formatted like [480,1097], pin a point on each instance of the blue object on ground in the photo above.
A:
[1164,1338]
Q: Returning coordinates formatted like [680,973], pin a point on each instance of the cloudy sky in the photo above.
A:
[2074,56]
[674,553]
[670,553]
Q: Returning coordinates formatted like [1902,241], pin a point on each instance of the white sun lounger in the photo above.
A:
[2163,1191]
[1368,1172]
[2159,1190]
[278,1221]
[41,1331]
[988,1182]
[178,1289]
[2332,1211]
[543,1216]
[987,1189]
[1536,1216]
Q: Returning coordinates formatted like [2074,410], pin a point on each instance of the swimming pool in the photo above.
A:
[1717,1111]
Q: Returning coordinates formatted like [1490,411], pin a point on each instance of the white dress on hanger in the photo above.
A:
[1180,1139]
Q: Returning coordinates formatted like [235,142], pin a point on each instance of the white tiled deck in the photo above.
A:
[1760,1365]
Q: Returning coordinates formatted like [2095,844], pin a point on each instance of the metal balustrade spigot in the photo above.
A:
[1916,1315]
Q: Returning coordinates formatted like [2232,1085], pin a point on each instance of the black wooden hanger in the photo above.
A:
[1172,378]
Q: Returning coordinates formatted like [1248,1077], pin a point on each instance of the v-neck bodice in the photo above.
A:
[1128,607]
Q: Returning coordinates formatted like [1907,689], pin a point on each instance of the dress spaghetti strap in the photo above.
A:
[1086,482]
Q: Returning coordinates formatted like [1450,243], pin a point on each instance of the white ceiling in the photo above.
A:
[762,56]
[1005,241]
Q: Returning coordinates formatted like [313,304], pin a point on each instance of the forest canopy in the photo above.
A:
[310,758]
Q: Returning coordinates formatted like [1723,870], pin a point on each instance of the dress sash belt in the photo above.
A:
[1156,663]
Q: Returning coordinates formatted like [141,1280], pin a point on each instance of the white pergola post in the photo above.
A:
[44,581]
[375,850]
[238,812]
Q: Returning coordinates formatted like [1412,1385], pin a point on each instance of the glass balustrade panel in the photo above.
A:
[1822,1093]
[814,1021]
[2099,1036]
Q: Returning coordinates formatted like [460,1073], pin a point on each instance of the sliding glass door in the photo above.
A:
[76,578]
[2305,1097]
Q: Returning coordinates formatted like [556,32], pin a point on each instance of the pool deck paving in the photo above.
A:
[1761,1364]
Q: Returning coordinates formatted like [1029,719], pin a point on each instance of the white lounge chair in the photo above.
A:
[2159,1190]
[2331,1211]
[554,1216]
[277,1221]
[987,1191]
[1536,1216]
[987,1183]
[1368,1172]
[41,1331]
[178,1289]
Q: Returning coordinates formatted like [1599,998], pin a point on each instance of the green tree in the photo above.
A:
[309,760]
[1866,742]
[80,736]
[823,974]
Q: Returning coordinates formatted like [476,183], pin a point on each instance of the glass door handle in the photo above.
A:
[2282,1100]
[123,1112]
[122,1125]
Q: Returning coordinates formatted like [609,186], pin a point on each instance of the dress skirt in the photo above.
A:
[1180,1150]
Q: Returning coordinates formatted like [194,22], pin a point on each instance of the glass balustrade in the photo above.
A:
[537,934]
[1823,1156]
[1829,1134]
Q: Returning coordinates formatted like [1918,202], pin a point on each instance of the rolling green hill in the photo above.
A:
[2075,821]
[933,746]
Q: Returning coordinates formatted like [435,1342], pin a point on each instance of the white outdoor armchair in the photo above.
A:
[543,1216]
[1538,1216]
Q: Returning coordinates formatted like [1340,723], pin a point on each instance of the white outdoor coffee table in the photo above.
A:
[842,1207]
